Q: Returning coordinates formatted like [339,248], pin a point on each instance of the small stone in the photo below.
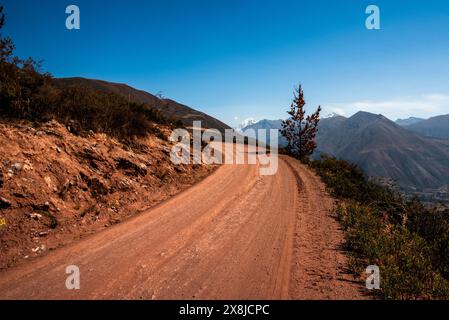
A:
[43,234]
[17,166]
[35,216]
[48,181]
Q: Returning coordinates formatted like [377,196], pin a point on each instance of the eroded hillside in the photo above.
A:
[56,187]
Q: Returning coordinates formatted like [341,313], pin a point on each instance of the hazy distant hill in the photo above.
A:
[168,108]
[383,149]
[408,121]
[437,127]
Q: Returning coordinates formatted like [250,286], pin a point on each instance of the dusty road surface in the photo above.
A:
[235,235]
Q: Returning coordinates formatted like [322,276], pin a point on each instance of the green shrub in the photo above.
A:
[346,180]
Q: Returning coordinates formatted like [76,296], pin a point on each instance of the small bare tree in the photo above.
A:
[300,130]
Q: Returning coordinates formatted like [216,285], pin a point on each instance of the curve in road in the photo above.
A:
[234,235]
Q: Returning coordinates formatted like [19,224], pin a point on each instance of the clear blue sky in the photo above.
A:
[236,59]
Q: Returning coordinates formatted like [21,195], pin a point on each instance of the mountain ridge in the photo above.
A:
[383,148]
[167,107]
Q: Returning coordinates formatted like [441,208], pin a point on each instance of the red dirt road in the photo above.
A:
[235,235]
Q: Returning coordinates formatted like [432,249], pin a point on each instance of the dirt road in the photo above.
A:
[235,235]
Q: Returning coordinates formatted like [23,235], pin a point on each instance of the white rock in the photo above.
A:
[35,216]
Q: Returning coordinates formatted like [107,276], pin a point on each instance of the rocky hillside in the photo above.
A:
[78,156]
[56,186]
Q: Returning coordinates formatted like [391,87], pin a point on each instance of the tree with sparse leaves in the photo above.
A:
[300,130]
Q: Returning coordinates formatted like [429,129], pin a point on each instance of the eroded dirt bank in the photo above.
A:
[57,187]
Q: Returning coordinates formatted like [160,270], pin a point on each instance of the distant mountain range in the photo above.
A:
[169,108]
[408,121]
[383,148]
[436,127]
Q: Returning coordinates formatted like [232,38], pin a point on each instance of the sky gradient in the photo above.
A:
[241,59]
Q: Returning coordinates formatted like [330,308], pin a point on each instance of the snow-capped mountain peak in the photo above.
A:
[245,123]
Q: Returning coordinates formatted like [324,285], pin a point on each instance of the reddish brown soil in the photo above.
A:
[58,187]
[234,235]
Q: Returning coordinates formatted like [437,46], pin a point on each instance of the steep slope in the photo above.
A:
[437,127]
[329,127]
[56,186]
[383,148]
[187,115]
[169,108]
